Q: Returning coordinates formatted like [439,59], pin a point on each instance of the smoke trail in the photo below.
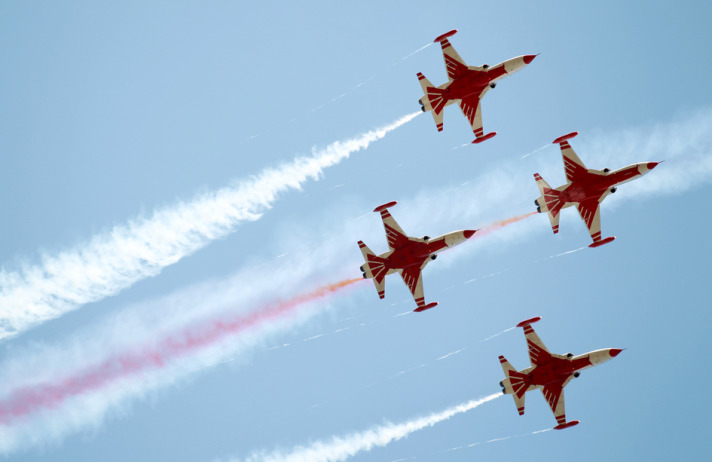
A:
[113,261]
[497,334]
[416,51]
[343,447]
[42,396]
[496,440]
[535,151]
[496,190]
[489,229]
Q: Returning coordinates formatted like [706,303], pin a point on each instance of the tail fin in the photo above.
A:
[374,268]
[550,201]
[514,384]
[433,100]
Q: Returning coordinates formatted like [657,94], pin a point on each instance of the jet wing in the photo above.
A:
[454,65]
[538,353]
[394,233]
[472,111]
[554,395]
[413,278]
[590,212]
[573,165]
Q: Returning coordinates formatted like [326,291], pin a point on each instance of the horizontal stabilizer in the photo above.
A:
[514,384]
[550,201]
[374,268]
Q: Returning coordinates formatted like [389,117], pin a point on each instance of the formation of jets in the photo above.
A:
[585,188]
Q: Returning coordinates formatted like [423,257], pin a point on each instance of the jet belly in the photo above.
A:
[472,84]
[573,193]
[404,258]
[555,371]
[589,188]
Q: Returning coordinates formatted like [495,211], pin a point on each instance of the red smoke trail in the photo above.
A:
[501,224]
[38,397]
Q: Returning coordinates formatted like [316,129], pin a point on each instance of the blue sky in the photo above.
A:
[111,112]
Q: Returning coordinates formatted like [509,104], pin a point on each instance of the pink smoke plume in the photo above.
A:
[484,231]
[38,397]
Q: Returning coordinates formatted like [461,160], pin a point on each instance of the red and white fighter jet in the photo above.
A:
[466,86]
[549,372]
[585,188]
[406,255]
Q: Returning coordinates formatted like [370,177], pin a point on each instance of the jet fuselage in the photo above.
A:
[475,81]
[597,184]
[559,369]
[416,251]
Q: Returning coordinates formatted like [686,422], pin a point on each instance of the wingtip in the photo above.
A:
[567,425]
[486,137]
[561,139]
[426,307]
[385,206]
[602,242]
[440,38]
[529,321]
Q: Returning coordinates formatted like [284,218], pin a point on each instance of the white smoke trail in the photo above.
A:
[113,261]
[308,260]
[496,440]
[343,447]
[685,145]
[535,151]
[134,333]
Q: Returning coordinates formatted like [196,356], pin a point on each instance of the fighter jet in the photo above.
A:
[406,255]
[585,188]
[549,372]
[466,86]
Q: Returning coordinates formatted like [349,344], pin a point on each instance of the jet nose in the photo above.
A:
[614,352]
[469,233]
[652,165]
[529,58]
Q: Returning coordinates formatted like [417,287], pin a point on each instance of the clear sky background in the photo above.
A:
[109,112]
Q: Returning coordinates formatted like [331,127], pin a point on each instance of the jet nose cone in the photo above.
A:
[529,58]
[652,165]
[469,233]
[615,352]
